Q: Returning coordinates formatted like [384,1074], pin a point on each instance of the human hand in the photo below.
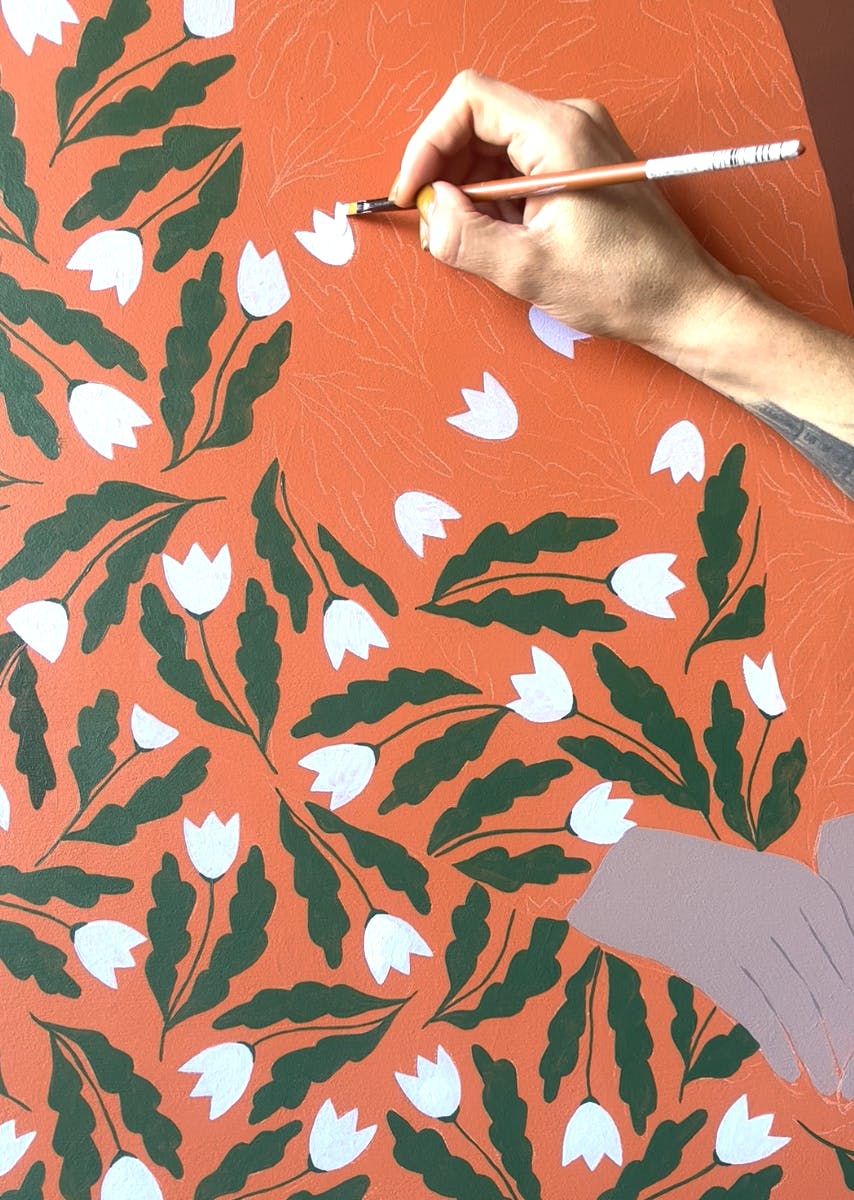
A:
[613,261]
[766,938]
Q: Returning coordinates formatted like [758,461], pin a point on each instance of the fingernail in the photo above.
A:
[426,200]
[424,234]
[392,191]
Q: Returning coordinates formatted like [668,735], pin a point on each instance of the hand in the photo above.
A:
[613,261]
[764,937]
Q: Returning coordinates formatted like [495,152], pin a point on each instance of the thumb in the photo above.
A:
[458,235]
[834,854]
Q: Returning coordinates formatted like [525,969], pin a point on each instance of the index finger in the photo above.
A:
[477,112]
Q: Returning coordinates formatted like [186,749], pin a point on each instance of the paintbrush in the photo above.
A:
[591,177]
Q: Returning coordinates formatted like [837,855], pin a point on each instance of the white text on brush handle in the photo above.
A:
[721,160]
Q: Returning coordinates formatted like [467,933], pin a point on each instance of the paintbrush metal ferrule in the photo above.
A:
[362,208]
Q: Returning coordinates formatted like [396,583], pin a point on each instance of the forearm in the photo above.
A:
[796,376]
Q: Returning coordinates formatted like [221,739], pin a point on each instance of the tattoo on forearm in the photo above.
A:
[832,456]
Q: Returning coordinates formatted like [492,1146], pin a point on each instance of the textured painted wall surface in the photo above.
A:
[360,625]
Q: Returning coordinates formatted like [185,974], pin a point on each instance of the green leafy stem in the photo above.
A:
[330,854]
[82,808]
[457,999]
[169,1021]
[67,1049]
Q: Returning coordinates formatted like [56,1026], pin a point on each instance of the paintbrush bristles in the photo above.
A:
[360,208]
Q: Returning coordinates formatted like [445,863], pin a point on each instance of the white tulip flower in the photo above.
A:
[129,1179]
[742,1139]
[554,334]
[212,846]
[332,241]
[105,417]
[103,946]
[490,415]
[5,810]
[591,1134]
[547,694]
[148,732]
[114,257]
[435,1088]
[645,582]
[388,943]
[29,19]
[208,18]
[13,1146]
[334,1141]
[199,583]
[261,285]
[680,451]
[43,625]
[224,1072]
[344,770]
[348,626]
[598,819]
[763,686]
[419,515]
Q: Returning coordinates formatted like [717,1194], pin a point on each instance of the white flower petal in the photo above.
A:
[5,810]
[491,413]
[681,451]
[598,819]
[591,1134]
[645,582]
[763,686]
[105,417]
[332,241]
[554,334]
[129,1179]
[114,257]
[224,1072]
[741,1139]
[334,1141]
[103,946]
[261,284]
[43,625]
[344,770]
[419,515]
[13,1146]
[209,18]
[212,846]
[388,943]
[148,732]
[199,584]
[435,1088]
[29,19]
[547,694]
[348,626]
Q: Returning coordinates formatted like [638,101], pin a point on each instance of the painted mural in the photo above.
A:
[426,736]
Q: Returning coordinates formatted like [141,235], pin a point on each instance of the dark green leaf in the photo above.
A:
[632,1041]
[67,326]
[507,873]
[530,612]
[471,935]
[424,1153]
[721,739]
[139,1100]
[302,1003]
[183,86]
[192,228]
[293,1074]
[248,384]
[166,633]
[567,1027]
[755,1185]
[747,621]
[368,701]
[70,884]
[188,354]
[684,1023]
[349,1189]
[116,825]
[495,793]
[440,760]
[508,1115]
[846,1164]
[554,533]
[661,1157]
[399,870]
[259,658]
[356,574]
[780,806]
[75,1124]
[27,719]
[126,565]
[274,541]
[167,922]
[629,767]
[83,517]
[637,696]
[91,760]
[724,505]
[723,1055]
[26,957]
[31,1187]
[113,189]
[102,44]
[240,948]
[20,386]
[266,1150]
[531,972]
[19,198]
[317,881]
